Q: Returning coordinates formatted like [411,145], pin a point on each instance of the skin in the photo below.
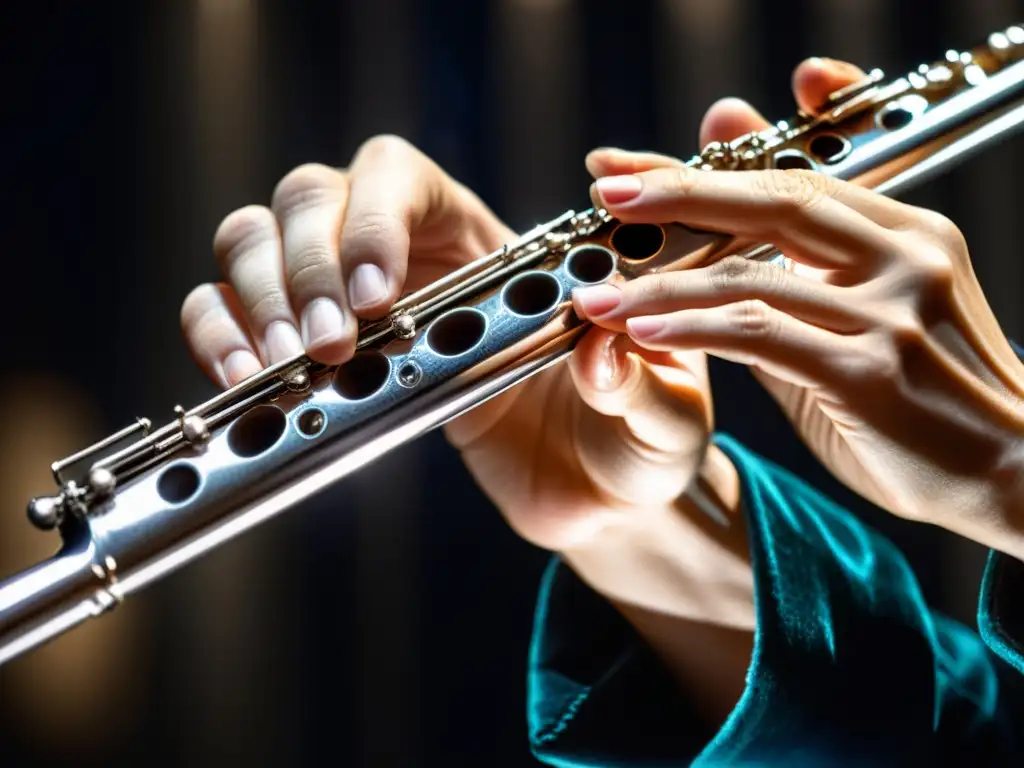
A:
[589,459]
[878,343]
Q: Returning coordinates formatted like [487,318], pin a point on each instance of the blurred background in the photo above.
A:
[386,622]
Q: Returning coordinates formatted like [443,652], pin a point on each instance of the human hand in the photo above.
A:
[615,430]
[879,344]
[585,454]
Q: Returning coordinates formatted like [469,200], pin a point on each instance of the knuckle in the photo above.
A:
[374,233]
[202,312]
[656,288]
[930,268]
[794,190]
[195,303]
[266,304]
[905,327]
[935,265]
[940,227]
[306,186]
[242,229]
[756,320]
[729,272]
[680,182]
[313,265]
[385,146]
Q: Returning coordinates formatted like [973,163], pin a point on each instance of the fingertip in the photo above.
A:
[645,328]
[281,341]
[333,352]
[594,301]
[816,78]
[598,160]
[369,292]
[728,119]
[596,362]
[326,332]
[614,191]
[611,161]
[238,366]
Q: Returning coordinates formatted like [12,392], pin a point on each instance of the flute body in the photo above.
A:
[141,503]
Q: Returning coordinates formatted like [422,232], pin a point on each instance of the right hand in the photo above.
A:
[585,456]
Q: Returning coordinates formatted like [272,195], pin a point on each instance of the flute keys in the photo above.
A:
[102,481]
[297,381]
[193,428]
[404,325]
[44,512]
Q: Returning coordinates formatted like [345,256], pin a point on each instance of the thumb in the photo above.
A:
[728,119]
[642,433]
[816,78]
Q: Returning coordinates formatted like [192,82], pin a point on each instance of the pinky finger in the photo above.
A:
[211,321]
[752,333]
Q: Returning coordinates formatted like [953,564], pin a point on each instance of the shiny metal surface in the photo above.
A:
[143,503]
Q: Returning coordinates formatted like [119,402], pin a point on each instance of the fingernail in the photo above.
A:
[239,366]
[321,323]
[615,190]
[607,373]
[367,286]
[596,301]
[644,327]
[282,341]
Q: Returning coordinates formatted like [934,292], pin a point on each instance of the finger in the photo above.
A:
[611,375]
[823,222]
[395,189]
[725,120]
[753,333]
[248,247]
[728,281]
[309,204]
[640,436]
[610,161]
[212,320]
[728,119]
[815,79]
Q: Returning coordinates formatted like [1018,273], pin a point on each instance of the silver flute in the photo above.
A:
[143,502]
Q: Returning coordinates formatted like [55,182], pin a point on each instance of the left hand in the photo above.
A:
[878,344]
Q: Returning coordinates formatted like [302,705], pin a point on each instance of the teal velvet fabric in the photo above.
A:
[850,665]
[1001,606]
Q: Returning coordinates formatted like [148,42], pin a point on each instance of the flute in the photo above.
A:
[143,502]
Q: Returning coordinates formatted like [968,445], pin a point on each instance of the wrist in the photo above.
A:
[1007,483]
[683,581]
[683,560]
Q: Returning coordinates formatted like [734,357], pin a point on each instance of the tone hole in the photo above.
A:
[257,431]
[178,483]
[457,332]
[363,375]
[637,242]
[532,293]
[590,263]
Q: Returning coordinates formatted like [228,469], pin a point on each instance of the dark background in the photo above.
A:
[386,622]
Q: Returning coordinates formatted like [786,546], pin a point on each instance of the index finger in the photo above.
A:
[394,190]
[825,222]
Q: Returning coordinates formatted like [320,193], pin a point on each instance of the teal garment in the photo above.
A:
[850,666]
